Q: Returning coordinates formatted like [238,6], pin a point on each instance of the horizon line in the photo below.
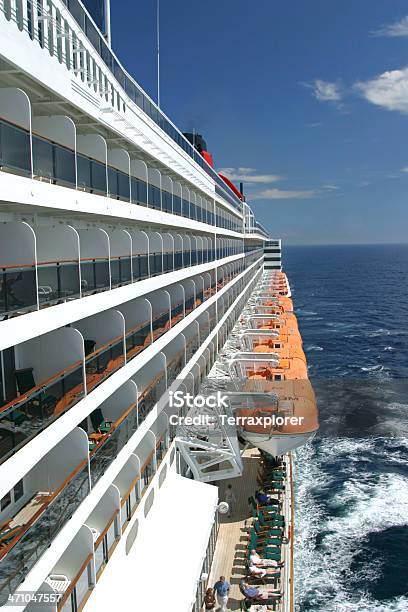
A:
[315,244]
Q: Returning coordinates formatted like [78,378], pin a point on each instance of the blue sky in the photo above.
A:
[307,100]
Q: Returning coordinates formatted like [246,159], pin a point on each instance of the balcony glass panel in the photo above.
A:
[177,313]
[189,305]
[38,535]
[24,417]
[120,271]
[192,346]
[139,191]
[107,451]
[156,264]
[57,281]
[123,186]
[95,275]
[167,262]
[174,367]
[100,364]
[113,184]
[154,197]
[185,208]
[14,148]
[151,395]
[64,165]
[140,267]
[167,201]
[137,339]
[178,260]
[176,205]
[98,177]
[42,158]
[17,289]
[160,324]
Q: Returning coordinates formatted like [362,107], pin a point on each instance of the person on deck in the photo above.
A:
[253,592]
[222,587]
[230,499]
[258,561]
[262,572]
[209,599]
[265,498]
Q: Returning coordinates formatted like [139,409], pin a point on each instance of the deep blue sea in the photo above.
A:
[352,480]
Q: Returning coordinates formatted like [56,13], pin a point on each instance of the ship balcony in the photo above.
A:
[47,375]
[39,505]
[73,576]
[85,53]
[45,265]
[55,150]
[82,564]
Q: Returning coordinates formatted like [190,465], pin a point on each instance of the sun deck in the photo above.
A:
[232,542]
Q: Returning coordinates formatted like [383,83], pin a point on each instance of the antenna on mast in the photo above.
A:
[158,50]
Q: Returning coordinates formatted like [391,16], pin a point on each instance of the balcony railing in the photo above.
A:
[33,539]
[137,339]
[27,415]
[18,289]
[76,594]
[26,547]
[57,281]
[95,275]
[101,363]
[121,270]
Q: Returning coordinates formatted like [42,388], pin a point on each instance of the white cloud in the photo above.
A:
[388,90]
[405,169]
[394,30]
[330,187]
[314,125]
[279,194]
[326,91]
[249,175]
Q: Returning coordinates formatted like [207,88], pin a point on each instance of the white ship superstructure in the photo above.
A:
[124,261]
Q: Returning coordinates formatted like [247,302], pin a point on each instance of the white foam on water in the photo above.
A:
[314,348]
[375,368]
[306,313]
[370,504]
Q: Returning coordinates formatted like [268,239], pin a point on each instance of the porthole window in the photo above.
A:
[149,503]
[162,476]
[132,536]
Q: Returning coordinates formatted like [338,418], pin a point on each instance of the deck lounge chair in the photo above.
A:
[43,404]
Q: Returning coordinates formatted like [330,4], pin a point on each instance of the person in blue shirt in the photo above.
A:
[253,592]
[265,498]
[222,587]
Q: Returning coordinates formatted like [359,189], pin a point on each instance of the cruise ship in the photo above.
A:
[132,274]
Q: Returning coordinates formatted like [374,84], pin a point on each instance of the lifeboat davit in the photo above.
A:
[276,406]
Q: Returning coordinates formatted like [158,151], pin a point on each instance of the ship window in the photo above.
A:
[278,377]
[162,476]
[277,345]
[149,503]
[6,501]
[132,536]
[18,490]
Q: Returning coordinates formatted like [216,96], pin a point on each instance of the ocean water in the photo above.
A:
[352,480]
